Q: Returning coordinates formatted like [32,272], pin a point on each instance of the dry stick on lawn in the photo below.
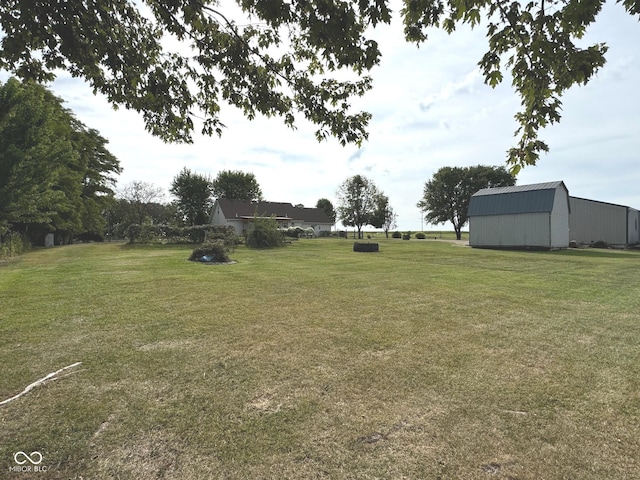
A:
[40,382]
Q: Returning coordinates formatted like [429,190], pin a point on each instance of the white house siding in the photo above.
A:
[592,221]
[317,228]
[217,216]
[527,229]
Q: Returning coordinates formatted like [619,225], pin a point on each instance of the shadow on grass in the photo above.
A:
[600,253]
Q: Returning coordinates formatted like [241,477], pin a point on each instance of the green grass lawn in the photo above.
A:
[425,360]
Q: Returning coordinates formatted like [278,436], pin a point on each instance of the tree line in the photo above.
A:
[56,174]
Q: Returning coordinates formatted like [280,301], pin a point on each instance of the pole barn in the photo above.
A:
[593,221]
[526,216]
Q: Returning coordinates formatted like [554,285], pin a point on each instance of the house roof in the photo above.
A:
[233,208]
[533,198]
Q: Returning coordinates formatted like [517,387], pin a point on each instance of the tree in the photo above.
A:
[446,196]
[55,173]
[357,202]
[383,216]
[236,56]
[194,196]
[99,178]
[237,185]
[141,200]
[326,206]
[121,49]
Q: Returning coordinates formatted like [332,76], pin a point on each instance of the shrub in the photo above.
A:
[406,236]
[90,237]
[600,244]
[210,252]
[396,235]
[12,243]
[225,233]
[365,247]
[264,234]
[294,232]
[420,236]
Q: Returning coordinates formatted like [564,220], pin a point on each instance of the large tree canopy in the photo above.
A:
[447,195]
[326,206]
[237,185]
[55,173]
[279,58]
[193,194]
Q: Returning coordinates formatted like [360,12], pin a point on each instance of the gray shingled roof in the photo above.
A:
[244,208]
[534,198]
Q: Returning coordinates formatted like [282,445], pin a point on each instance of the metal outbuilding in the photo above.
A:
[524,216]
[592,221]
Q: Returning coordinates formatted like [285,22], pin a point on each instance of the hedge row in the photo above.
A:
[149,233]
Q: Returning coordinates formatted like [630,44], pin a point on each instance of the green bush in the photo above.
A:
[406,236]
[294,232]
[396,235]
[11,243]
[420,236]
[214,251]
[264,234]
[225,233]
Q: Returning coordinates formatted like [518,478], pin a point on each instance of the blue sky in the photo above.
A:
[430,109]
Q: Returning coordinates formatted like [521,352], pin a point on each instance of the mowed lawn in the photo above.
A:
[425,360]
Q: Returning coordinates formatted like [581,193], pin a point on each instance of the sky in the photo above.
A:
[430,109]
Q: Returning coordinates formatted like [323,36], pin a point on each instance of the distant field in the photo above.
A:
[425,360]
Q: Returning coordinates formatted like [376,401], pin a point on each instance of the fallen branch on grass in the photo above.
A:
[51,376]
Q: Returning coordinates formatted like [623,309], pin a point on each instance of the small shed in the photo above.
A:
[592,221]
[524,216]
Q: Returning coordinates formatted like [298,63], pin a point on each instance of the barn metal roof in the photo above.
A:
[534,198]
